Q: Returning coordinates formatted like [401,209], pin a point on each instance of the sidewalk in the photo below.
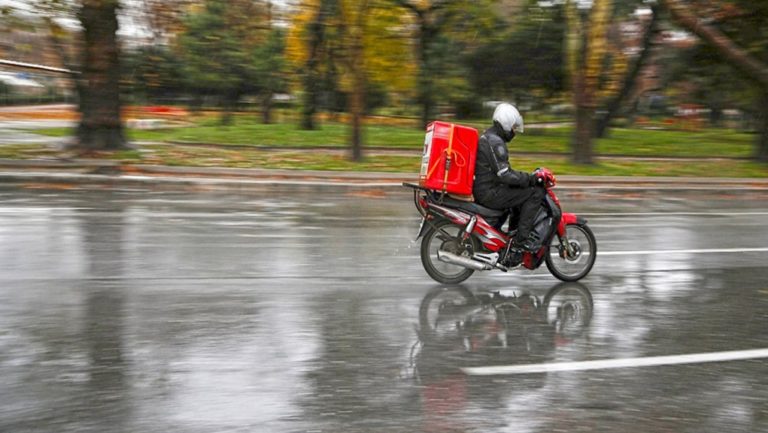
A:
[98,173]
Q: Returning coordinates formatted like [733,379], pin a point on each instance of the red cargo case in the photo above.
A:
[448,162]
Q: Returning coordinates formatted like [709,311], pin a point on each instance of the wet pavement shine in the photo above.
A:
[141,311]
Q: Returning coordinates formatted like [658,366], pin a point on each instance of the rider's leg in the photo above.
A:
[526,200]
[528,211]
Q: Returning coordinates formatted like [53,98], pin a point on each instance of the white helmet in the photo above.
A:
[508,118]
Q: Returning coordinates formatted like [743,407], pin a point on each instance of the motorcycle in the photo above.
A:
[460,237]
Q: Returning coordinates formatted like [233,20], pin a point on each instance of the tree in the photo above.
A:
[101,125]
[269,71]
[314,45]
[434,22]
[614,104]
[96,63]
[357,11]
[749,64]
[585,50]
[348,50]
[152,73]
[224,49]
[527,61]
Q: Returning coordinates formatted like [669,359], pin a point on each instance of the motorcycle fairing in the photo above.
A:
[491,239]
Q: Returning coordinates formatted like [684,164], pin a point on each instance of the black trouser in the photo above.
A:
[526,200]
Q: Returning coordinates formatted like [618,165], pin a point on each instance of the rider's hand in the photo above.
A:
[543,177]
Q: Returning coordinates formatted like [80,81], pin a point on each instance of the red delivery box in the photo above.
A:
[448,162]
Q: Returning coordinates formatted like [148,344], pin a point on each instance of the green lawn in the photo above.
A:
[247,131]
[195,156]
[637,142]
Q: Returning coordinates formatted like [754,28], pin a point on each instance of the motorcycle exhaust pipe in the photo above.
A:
[465,262]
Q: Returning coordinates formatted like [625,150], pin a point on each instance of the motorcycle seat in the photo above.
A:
[473,207]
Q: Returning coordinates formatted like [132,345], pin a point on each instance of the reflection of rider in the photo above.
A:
[497,185]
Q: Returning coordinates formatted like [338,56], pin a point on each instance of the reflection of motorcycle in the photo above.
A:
[458,329]
[469,329]
[460,237]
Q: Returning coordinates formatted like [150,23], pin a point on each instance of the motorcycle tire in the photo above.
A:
[580,237]
[443,234]
[442,308]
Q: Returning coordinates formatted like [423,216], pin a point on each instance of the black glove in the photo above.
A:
[536,180]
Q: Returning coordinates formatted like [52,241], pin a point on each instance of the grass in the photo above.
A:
[622,141]
[195,156]
[246,131]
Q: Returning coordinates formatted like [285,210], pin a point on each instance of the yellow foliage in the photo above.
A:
[387,52]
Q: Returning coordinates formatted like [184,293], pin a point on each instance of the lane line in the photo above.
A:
[693,251]
[696,358]
[632,214]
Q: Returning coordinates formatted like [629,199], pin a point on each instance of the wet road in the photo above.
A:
[160,312]
[19,131]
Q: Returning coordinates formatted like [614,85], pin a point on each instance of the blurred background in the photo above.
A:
[638,78]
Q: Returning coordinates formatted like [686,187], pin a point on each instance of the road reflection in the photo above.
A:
[460,328]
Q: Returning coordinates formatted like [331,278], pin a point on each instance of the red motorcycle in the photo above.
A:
[460,237]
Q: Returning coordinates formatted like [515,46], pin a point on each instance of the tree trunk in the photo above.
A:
[357,96]
[311,73]
[584,59]
[583,130]
[761,145]
[310,99]
[357,106]
[228,107]
[266,109]
[101,126]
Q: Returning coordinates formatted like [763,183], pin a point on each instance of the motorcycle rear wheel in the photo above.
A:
[444,235]
[574,268]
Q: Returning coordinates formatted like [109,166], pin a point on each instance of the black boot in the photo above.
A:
[527,245]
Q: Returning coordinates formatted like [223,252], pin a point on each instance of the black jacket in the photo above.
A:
[492,168]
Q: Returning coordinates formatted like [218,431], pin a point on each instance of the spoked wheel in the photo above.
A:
[575,265]
[445,236]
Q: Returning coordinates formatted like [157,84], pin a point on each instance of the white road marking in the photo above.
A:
[693,251]
[696,358]
[644,214]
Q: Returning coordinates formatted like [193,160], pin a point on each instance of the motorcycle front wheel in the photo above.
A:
[573,267]
[443,235]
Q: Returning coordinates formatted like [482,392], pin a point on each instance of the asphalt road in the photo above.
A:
[140,311]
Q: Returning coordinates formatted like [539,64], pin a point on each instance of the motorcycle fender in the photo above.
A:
[422,228]
[569,218]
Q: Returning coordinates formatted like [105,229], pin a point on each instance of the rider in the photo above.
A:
[497,185]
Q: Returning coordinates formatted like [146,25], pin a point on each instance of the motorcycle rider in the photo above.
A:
[497,185]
